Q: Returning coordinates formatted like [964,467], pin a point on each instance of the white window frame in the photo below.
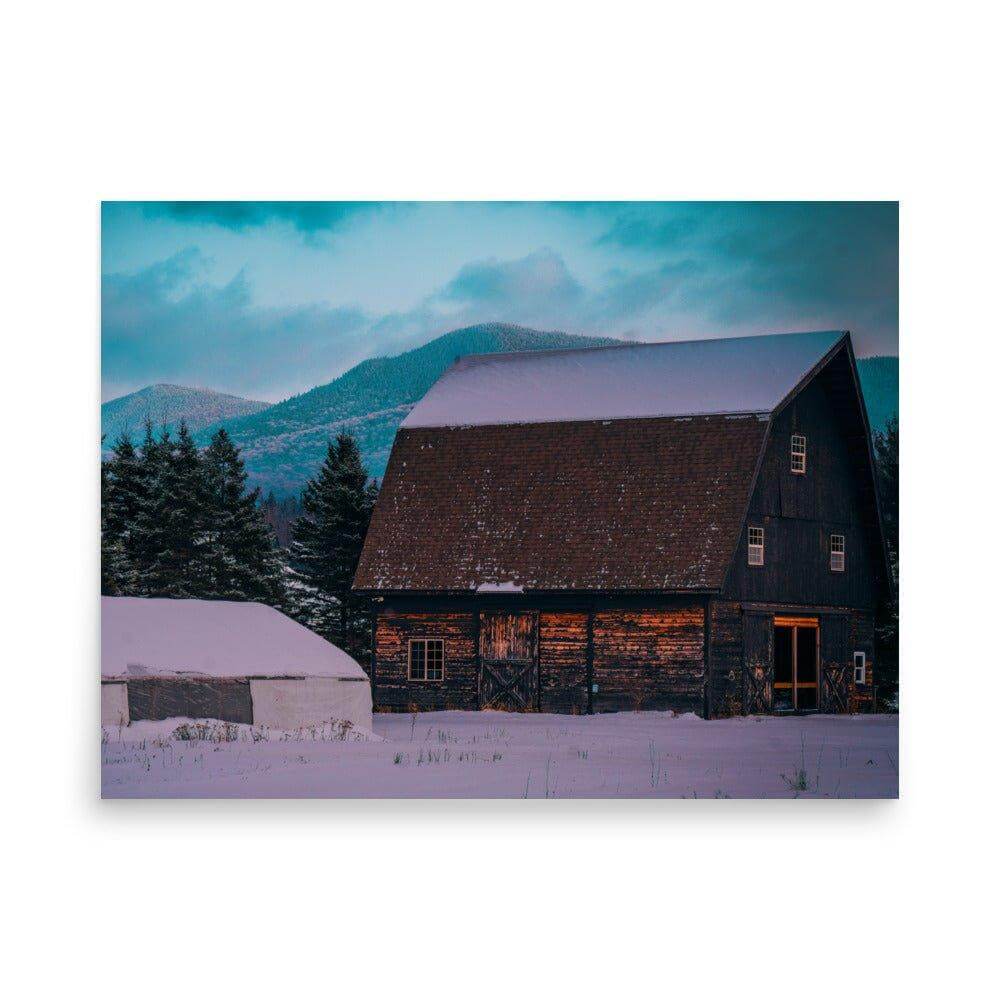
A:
[799,453]
[755,550]
[409,660]
[837,564]
[860,664]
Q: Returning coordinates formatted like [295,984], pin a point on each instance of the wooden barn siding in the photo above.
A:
[862,637]
[726,659]
[562,657]
[799,513]
[642,658]
[650,660]
[842,631]
[459,689]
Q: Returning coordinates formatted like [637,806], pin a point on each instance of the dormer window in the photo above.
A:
[799,454]
[755,546]
[837,553]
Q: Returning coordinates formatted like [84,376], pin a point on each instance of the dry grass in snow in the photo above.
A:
[499,755]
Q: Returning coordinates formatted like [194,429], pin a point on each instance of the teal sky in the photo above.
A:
[266,299]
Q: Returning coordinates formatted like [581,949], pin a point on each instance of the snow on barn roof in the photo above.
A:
[673,379]
[144,637]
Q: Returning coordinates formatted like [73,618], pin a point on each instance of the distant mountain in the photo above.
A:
[286,443]
[880,387]
[168,405]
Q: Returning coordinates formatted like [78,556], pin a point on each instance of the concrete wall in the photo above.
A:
[114,704]
[289,704]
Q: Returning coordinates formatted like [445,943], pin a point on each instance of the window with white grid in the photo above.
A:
[799,453]
[837,553]
[426,660]
[755,546]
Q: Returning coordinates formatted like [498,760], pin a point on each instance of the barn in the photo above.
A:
[227,660]
[690,526]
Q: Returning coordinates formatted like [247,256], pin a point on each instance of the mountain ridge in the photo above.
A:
[284,443]
[166,404]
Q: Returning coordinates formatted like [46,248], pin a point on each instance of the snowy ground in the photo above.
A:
[499,755]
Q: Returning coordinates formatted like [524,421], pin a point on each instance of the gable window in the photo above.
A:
[755,546]
[799,453]
[837,553]
[426,660]
[859,667]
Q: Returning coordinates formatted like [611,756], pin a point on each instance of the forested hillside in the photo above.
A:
[168,405]
[285,444]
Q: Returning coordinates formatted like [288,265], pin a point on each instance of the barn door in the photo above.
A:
[758,663]
[508,669]
[835,678]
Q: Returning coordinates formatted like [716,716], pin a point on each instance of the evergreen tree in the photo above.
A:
[145,537]
[326,547]
[887,474]
[240,560]
[887,620]
[172,516]
[122,501]
[117,576]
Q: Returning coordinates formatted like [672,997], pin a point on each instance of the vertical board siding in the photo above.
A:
[649,660]
[758,663]
[799,512]
[835,663]
[505,636]
[562,657]
[726,654]
[459,689]
[508,663]
[862,638]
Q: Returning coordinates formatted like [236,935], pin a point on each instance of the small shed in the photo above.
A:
[227,660]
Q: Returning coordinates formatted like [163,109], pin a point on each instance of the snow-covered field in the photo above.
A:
[500,755]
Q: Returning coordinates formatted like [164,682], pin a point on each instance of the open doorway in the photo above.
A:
[796,664]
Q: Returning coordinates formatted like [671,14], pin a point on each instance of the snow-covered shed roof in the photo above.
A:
[673,379]
[160,637]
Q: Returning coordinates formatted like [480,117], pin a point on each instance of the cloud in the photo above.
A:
[539,278]
[165,324]
[307,217]
[678,271]
[776,262]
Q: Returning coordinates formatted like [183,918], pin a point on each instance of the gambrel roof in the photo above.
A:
[605,469]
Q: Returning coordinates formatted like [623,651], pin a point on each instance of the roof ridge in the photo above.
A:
[631,344]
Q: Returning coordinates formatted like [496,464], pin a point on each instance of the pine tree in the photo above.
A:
[120,506]
[887,620]
[117,575]
[172,517]
[326,547]
[239,557]
[145,536]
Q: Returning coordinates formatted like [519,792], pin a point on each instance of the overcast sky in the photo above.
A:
[267,299]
